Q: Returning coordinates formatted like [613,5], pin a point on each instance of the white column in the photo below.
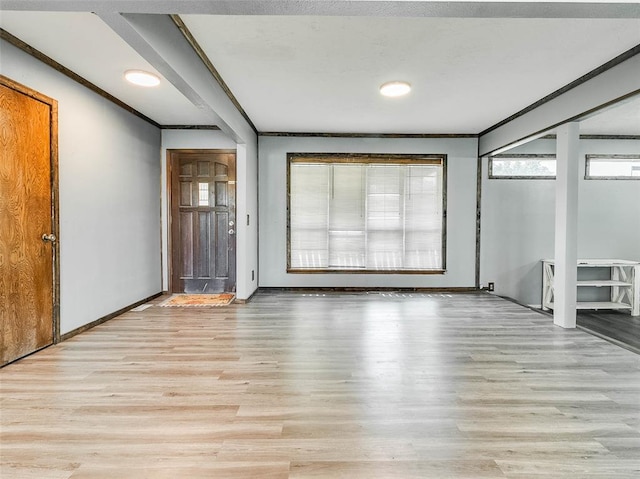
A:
[243,264]
[566,237]
[635,304]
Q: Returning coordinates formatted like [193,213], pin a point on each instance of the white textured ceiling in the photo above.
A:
[320,73]
[83,43]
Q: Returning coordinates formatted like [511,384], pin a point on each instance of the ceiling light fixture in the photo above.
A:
[395,88]
[141,78]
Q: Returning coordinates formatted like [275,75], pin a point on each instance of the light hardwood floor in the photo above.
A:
[302,385]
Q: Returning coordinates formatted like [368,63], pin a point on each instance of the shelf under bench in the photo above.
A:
[598,283]
[597,305]
[624,281]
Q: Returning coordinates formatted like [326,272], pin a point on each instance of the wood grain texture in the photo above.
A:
[326,385]
[616,326]
[26,262]
[202,249]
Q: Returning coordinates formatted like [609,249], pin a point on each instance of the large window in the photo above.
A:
[351,213]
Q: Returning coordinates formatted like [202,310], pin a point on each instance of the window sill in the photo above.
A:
[364,271]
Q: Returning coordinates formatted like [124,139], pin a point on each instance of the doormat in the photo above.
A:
[198,300]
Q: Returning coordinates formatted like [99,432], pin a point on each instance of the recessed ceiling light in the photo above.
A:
[395,88]
[141,78]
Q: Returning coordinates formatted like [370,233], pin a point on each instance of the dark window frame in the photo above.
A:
[614,157]
[520,156]
[368,158]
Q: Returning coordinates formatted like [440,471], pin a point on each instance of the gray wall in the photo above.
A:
[109,196]
[518,221]
[461,208]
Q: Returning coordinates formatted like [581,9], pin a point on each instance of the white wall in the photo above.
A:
[461,209]
[109,196]
[247,234]
[517,228]
[246,201]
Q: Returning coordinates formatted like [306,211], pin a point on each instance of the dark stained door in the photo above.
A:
[203,221]
[26,214]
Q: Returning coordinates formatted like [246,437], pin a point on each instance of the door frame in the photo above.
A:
[53,180]
[170,169]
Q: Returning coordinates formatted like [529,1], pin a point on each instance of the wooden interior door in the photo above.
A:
[202,240]
[28,286]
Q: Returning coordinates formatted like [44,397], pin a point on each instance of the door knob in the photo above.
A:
[49,237]
[231,231]
[231,223]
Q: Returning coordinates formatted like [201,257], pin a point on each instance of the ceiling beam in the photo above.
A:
[212,69]
[588,76]
[369,8]
[616,84]
[159,41]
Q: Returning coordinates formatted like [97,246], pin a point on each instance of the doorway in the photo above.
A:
[29,278]
[202,221]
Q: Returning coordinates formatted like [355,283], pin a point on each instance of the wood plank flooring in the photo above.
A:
[619,327]
[304,385]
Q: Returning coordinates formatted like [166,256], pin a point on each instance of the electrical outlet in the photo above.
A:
[490,287]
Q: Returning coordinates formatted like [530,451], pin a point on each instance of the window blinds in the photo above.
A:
[366,216]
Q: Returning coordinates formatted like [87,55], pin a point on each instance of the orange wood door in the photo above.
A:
[202,221]
[26,213]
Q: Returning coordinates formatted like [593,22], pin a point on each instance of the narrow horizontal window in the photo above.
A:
[366,214]
[522,167]
[613,167]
